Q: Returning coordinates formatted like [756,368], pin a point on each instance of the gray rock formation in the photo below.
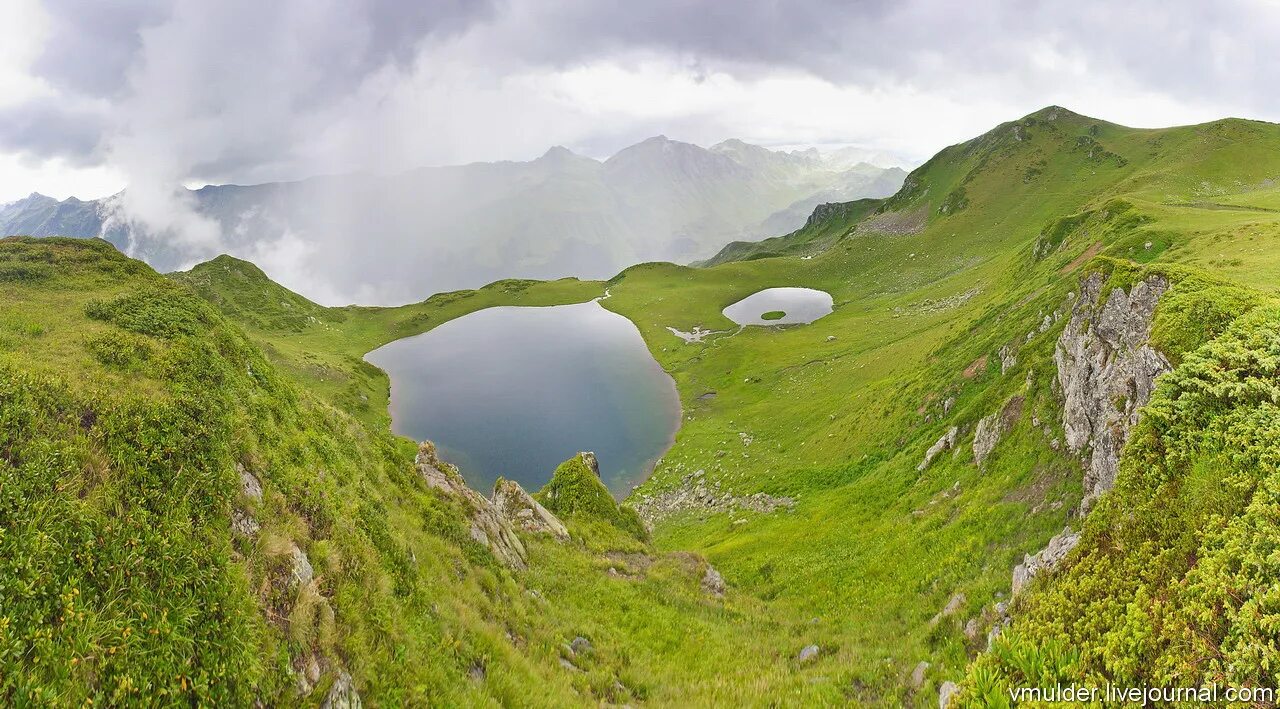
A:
[523,512]
[808,653]
[917,674]
[948,690]
[1045,560]
[589,459]
[1008,359]
[695,493]
[947,442]
[1106,371]
[488,526]
[249,484]
[343,694]
[985,437]
[243,524]
[300,571]
[713,582]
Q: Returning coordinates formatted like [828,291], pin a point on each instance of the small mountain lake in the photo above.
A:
[780,306]
[514,391]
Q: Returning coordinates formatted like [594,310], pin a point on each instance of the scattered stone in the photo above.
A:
[243,524]
[1007,358]
[953,604]
[831,338]
[948,690]
[1045,560]
[808,653]
[301,573]
[948,404]
[249,483]
[713,582]
[917,674]
[1106,371]
[579,646]
[972,629]
[947,441]
[343,694]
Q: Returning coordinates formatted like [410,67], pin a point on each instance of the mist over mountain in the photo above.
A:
[398,238]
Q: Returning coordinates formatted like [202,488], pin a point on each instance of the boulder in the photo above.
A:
[300,571]
[249,483]
[808,653]
[342,694]
[917,674]
[985,437]
[948,690]
[946,442]
[713,582]
[1047,559]
[523,512]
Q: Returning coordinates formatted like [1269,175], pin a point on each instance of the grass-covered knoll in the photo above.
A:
[575,493]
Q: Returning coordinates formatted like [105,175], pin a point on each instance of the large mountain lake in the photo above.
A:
[514,391]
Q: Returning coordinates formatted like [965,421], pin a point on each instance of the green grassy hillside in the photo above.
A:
[137,566]
[130,399]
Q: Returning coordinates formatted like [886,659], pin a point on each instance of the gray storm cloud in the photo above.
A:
[174,93]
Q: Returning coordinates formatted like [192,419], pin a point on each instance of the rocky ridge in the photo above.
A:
[1107,370]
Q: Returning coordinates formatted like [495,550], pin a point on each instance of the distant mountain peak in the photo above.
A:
[557,152]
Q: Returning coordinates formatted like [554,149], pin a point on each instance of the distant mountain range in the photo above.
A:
[399,238]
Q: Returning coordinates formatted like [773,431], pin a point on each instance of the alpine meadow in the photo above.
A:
[1002,425]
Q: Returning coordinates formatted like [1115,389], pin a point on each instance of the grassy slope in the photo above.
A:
[841,424]
[126,403]
[873,549]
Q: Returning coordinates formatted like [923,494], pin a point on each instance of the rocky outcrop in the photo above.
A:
[488,526]
[947,442]
[342,694]
[985,437]
[1047,559]
[249,484]
[300,570]
[991,428]
[1008,358]
[948,690]
[713,582]
[1106,371]
[523,512]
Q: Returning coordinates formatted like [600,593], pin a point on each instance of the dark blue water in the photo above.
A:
[513,392]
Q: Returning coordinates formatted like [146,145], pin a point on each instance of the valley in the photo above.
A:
[953,477]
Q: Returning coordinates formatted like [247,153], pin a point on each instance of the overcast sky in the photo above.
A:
[96,95]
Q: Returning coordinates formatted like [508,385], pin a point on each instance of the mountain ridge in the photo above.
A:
[561,214]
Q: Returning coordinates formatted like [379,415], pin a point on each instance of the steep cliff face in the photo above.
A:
[1107,370]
